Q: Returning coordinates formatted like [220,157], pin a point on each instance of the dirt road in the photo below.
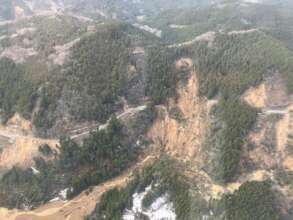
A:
[77,208]
[124,115]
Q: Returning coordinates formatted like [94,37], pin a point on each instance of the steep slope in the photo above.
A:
[211,138]
[79,207]
[181,126]
[47,56]
[203,126]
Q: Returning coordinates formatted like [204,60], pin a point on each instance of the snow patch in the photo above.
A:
[160,209]
[35,171]
[55,199]
[63,194]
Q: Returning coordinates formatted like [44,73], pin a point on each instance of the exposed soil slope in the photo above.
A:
[181,135]
[79,207]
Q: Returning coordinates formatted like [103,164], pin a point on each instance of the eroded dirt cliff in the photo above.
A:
[182,124]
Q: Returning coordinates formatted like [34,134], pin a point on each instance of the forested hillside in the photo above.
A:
[194,123]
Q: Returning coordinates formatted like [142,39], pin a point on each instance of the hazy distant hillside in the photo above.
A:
[128,9]
[186,24]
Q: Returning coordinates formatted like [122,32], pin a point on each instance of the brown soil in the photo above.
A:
[256,97]
[22,146]
[77,208]
[182,138]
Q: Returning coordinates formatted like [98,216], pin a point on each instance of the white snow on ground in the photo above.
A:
[149,29]
[159,210]
[55,199]
[63,194]
[35,171]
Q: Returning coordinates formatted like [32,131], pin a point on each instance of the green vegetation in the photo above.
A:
[43,118]
[16,92]
[229,68]
[237,62]
[162,74]
[20,189]
[101,67]
[105,154]
[93,81]
[193,22]
[284,177]
[162,77]
[238,119]
[164,178]
[47,32]
[176,114]
[165,172]
[274,19]
[114,202]
[88,87]
[253,200]
[46,150]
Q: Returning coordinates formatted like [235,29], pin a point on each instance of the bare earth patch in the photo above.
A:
[79,207]
[256,97]
[62,52]
[288,163]
[18,54]
[208,37]
[182,138]
[22,146]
